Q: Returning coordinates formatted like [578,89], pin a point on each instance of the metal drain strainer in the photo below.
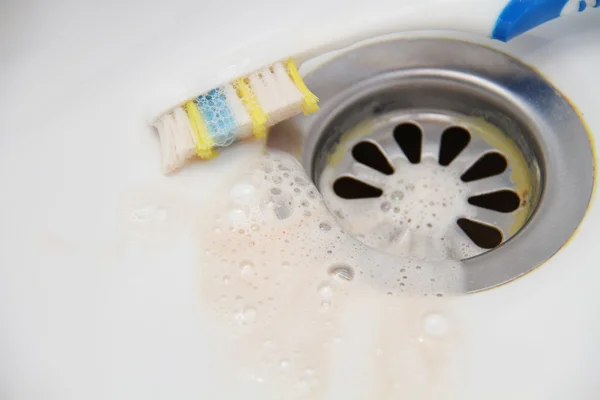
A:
[428,184]
[442,148]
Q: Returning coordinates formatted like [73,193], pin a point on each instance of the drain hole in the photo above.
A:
[489,164]
[370,155]
[504,201]
[351,188]
[409,137]
[454,141]
[484,236]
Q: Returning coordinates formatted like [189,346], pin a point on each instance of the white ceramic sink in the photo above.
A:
[99,260]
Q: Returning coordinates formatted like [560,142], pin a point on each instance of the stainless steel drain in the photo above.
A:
[437,147]
[425,176]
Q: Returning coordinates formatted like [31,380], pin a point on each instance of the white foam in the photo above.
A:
[280,270]
[415,217]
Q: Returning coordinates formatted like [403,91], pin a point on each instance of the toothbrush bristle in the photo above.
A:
[242,118]
[219,119]
[185,142]
[170,160]
[247,106]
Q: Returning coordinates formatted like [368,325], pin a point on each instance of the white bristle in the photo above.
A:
[286,86]
[276,93]
[271,85]
[291,103]
[266,96]
[242,118]
[170,161]
[185,140]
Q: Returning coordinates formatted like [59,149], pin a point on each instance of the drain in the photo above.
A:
[438,148]
[428,174]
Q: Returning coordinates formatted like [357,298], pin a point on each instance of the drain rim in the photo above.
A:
[567,181]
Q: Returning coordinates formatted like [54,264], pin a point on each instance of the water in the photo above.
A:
[307,288]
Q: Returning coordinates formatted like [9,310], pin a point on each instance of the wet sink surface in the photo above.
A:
[99,264]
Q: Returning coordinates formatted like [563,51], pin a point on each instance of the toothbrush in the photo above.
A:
[243,108]
[249,105]
[520,16]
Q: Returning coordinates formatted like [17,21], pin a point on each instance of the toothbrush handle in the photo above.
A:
[519,16]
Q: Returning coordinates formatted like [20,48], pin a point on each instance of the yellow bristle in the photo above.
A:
[204,144]
[257,114]
[310,101]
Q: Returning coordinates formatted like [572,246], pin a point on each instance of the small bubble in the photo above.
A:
[277,179]
[439,295]
[435,324]
[242,192]
[284,363]
[324,226]
[254,227]
[397,196]
[246,268]
[247,316]
[341,272]
[237,215]
[276,191]
[396,210]
[300,181]
[385,206]
[325,290]
[325,305]
[226,279]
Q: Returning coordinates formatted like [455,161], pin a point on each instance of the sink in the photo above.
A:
[101,263]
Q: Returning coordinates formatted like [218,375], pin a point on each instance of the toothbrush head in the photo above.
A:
[245,107]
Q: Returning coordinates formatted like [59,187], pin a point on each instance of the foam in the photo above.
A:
[416,216]
[276,204]
[283,278]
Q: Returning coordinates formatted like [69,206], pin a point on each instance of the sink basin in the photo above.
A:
[101,262]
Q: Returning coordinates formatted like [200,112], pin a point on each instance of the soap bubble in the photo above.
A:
[342,272]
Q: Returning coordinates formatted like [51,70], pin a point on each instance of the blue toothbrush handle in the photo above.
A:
[519,16]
